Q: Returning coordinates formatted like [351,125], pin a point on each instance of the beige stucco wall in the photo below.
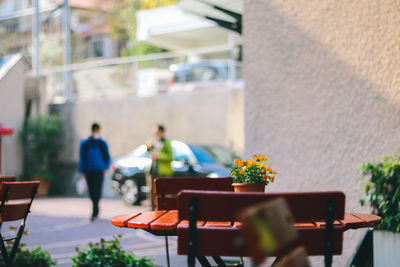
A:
[322,92]
[12,115]
[203,117]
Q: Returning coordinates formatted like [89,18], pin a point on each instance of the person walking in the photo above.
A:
[94,160]
[162,155]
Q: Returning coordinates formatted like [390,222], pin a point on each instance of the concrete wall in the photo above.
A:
[12,111]
[322,92]
[209,117]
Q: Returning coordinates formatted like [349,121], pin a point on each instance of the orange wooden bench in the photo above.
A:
[310,211]
[21,195]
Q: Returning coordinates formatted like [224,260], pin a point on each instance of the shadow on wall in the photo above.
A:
[310,111]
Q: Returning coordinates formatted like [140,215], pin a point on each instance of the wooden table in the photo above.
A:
[223,235]
[166,222]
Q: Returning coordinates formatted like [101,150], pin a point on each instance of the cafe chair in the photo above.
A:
[7,178]
[16,200]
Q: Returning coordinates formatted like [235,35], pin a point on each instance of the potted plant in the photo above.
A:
[382,190]
[41,141]
[252,175]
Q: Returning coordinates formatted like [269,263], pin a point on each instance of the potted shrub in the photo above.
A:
[382,190]
[41,142]
[252,175]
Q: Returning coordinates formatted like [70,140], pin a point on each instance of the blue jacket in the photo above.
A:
[93,155]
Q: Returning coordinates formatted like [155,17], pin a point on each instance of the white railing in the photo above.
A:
[117,77]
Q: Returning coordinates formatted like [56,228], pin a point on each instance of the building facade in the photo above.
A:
[322,93]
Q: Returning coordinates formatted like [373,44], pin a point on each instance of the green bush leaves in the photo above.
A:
[107,254]
[383,190]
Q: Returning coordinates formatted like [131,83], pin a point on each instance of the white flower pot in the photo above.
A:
[386,249]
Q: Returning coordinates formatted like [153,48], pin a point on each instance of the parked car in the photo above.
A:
[129,179]
[216,74]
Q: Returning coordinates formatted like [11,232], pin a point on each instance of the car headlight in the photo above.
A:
[213,175]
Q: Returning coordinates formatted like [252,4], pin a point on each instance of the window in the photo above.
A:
[12,26]
[98,48]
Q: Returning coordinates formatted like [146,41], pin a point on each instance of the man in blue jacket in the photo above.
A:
[94,160]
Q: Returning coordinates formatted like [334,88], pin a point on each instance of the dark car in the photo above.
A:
[129,179]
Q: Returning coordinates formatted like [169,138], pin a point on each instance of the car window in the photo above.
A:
[140,152]
[181,151]
[222,155]
[202,155]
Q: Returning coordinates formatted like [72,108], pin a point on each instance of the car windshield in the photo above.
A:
[140,152]
[202,155]
[222,155]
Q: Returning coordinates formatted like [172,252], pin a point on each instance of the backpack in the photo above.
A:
[95,142]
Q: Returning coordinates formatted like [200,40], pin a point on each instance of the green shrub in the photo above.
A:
[383,190]
[31,258]
[41,139]
[107,254]
[36,257]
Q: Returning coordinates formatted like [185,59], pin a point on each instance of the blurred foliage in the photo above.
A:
[122,22]
[37,257]
[107,254]
[41,142]
[51,51]
[382,190]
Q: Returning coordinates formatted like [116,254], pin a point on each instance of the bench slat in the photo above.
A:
[121,220]
[13,212]
[223,206]
[167,222]
[322,224]
[218,224]
[19,190]
[7,178]
[186,223]
[144,220]
[172,185]
[226,241]
[369,219]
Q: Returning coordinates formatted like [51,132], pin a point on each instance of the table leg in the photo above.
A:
[219,261]
[166,249]
[203,261]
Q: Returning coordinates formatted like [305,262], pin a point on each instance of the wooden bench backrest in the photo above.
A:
[224,206]
[7,178]
[16,191]
[166,189]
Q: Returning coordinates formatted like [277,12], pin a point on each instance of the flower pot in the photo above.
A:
[386,248]
[44,186]
[239,187]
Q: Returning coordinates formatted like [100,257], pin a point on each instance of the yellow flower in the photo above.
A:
[272,179]
[273,172]
[262,166]
[250,163]
[239,162]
